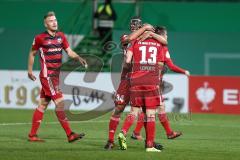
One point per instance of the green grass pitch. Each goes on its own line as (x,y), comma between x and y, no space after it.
(204,137)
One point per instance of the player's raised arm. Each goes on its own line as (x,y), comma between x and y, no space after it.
(137,29)
(159,38)
(160,35)
(134,35)
(75,56)
(150,34)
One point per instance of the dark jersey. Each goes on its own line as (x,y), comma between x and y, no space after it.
(50,50)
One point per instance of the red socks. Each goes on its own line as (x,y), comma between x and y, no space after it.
(113,123)
(38,116)
(63,121)
(165,123)
(149,125)
(36,121)
(140,123)
(128,123)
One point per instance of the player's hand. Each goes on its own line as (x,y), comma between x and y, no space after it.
(145,35)
(83,61)
(187,73)
(148,27)
(31,76)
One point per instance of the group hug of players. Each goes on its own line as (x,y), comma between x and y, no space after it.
(145,56)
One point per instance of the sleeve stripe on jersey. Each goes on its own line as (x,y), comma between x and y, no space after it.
(52,53)
(53,75)
(54,61)
(54,68)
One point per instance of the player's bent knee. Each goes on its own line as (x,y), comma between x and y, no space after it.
(42,107)
(43,103)
(59,103)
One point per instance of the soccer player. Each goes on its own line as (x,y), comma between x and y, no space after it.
(122,93)
(49,46)
(144,86)
(167,61)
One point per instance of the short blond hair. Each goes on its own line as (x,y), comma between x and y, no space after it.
(49,14)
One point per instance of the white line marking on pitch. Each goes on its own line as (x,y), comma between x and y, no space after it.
(29,123)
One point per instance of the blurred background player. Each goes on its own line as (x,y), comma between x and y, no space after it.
(105,16)
(167,62)
(122,97)
(49,45)
(144,86)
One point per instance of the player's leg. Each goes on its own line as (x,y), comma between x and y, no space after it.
(140,123)
(136,102)
(121,100)
(51,89)
(39,112)
(112,126)
(162,116)
(62,118)
(151,101)
(149,125)
(129,120)
(136,99)
(37,119)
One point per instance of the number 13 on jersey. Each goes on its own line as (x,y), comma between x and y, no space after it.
(151,53)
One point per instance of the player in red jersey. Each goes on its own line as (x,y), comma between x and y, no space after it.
(144,92)
(161,109)
(49,45)
(122,93)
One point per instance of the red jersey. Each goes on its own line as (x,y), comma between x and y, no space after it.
(168,61)
(146,57)
(50,50)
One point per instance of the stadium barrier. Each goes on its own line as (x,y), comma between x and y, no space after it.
(214,94)
(17,91)
(198,94)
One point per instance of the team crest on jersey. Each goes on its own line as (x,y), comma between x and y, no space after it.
(59,40)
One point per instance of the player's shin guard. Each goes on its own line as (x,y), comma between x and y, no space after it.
(128,123)
(165,123)
(36,121)
(149,125)
(140,124)
(113,123)
(63,121)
